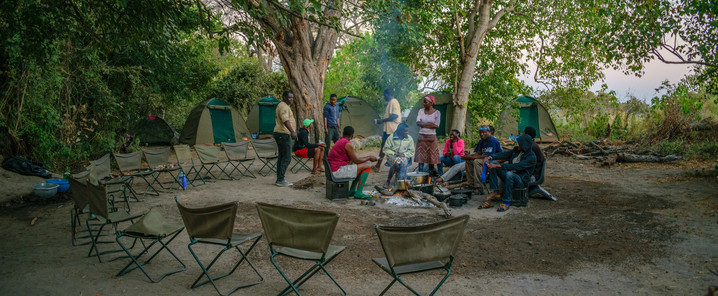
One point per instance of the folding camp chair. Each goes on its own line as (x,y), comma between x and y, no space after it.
(266,150)
(209,157)
(152,226)
(100,207)
(78,193)
(419,248)
(301,162)
(130,164)
(159,162)
(214,225)
(300,234)
(100,173)
(237,157)
(186,163)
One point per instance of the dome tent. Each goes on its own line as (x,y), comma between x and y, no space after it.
(212,122)
(358,114)
(530,113)
(260,119)
(154,131)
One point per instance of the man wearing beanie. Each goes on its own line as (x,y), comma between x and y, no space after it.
(515,171)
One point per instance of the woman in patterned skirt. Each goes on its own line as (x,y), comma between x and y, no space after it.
(427,146)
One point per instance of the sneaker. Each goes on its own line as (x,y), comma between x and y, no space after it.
(283,183)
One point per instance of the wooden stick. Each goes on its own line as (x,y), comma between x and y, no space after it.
(431,199)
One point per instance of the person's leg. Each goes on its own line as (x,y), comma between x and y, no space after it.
(363,170)
(478,167)
(392,170)
(318,154)
(284,156)
(494,176)
(456,160)
(456,169)
(443,160)
(432,170)
(381,151)
(469,168)
(511,181)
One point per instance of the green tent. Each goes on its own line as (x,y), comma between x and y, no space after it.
(212,122)
(358,114)
(260,119)
(530,112)
(445,105)
(154,131)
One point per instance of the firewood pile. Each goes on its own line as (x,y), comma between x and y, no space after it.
(605,155)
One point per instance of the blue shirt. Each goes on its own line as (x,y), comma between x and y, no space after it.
(331,114)
(489,147)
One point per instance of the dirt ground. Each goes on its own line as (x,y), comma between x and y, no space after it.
(629,229)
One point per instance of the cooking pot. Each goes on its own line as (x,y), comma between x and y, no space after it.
(402,185)
(467,192)
(441,194)
(418,177)
(426,188)
(456,200)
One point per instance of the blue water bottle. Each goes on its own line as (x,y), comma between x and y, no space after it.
(183,180)
(483,173)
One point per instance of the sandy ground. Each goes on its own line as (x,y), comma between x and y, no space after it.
(630,229)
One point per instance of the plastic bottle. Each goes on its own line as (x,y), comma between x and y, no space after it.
(66,175)
(183,180)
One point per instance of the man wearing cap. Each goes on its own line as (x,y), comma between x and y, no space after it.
(392,118)
(284,133)
(331,121)
(304,149)
(487,146)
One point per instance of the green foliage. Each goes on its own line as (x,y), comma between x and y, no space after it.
(247,81)
(364,69)
(598,125)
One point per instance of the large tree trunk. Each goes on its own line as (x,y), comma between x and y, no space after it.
(307,83)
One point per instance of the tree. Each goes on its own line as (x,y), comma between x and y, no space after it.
(572,42)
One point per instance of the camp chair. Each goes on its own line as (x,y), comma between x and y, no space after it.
(159,162)
(209,157)
(422,248)
(214,225)
(100,173)
(300,234)
(78,193)
(237,157)
(130,164)
(337,189)
(186,163)
(533,189)
(152,226)
(266,150)
(301,162)
(101,208)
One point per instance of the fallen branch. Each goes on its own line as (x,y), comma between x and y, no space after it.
(413,194)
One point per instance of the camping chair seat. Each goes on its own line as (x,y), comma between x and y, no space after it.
(152,226)
(186,164)
(301,234)
(301,162)
(214,225)
(336,189)
(267,153)
(158,160)
(412,249)
(209,157)
(99,172)
(131,165)
(237,157)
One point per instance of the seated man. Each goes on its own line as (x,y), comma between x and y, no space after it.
(540,158)
(302,147)
(399,149)
(344,163)
(515,171)
(453,151)
(474,165)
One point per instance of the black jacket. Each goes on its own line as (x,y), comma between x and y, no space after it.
(303,140)
(525,167)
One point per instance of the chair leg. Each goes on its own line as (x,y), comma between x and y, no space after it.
(247,172)
(210,279)
(139,265)
(387,287)
(293,286)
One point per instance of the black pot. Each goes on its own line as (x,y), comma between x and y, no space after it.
(456,200)
(425,188)
(467,192)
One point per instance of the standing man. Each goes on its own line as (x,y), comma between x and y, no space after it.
(331,122)
(284,133)
(392,118)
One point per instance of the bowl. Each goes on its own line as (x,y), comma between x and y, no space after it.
(45,190)
(64,184)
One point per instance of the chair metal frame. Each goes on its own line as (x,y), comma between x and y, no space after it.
(169,235)
(101,171)
(298,238)
(219,235)
(131,164)
(184,160)
(301,162)
(237,157)
(159,163)
(209,158)
(437,250)
(265,156)
(81,205)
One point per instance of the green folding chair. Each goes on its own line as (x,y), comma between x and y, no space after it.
(159,162)
(106,214)
(209,157)
(130,164)
(300,163)
(81,206)
(186,163)
(417,249)
(214,225)
(151,227)
(100,173)
(300,234)
(237,158)
(267,153)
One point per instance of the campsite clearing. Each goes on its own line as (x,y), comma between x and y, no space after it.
(629,229)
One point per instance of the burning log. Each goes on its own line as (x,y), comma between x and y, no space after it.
(418,196)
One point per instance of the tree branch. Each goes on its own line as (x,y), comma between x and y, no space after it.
(295,14)
(682,61)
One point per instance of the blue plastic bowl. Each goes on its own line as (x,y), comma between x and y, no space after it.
(63,184)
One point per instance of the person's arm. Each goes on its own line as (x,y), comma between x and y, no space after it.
(304,139)
(291,131)
(357,160)
(325,125)
(411,151)
(391,117)
(389,149)
(459,147)
(527,163)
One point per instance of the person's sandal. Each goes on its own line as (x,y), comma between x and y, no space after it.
(503,208)
(485,205)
